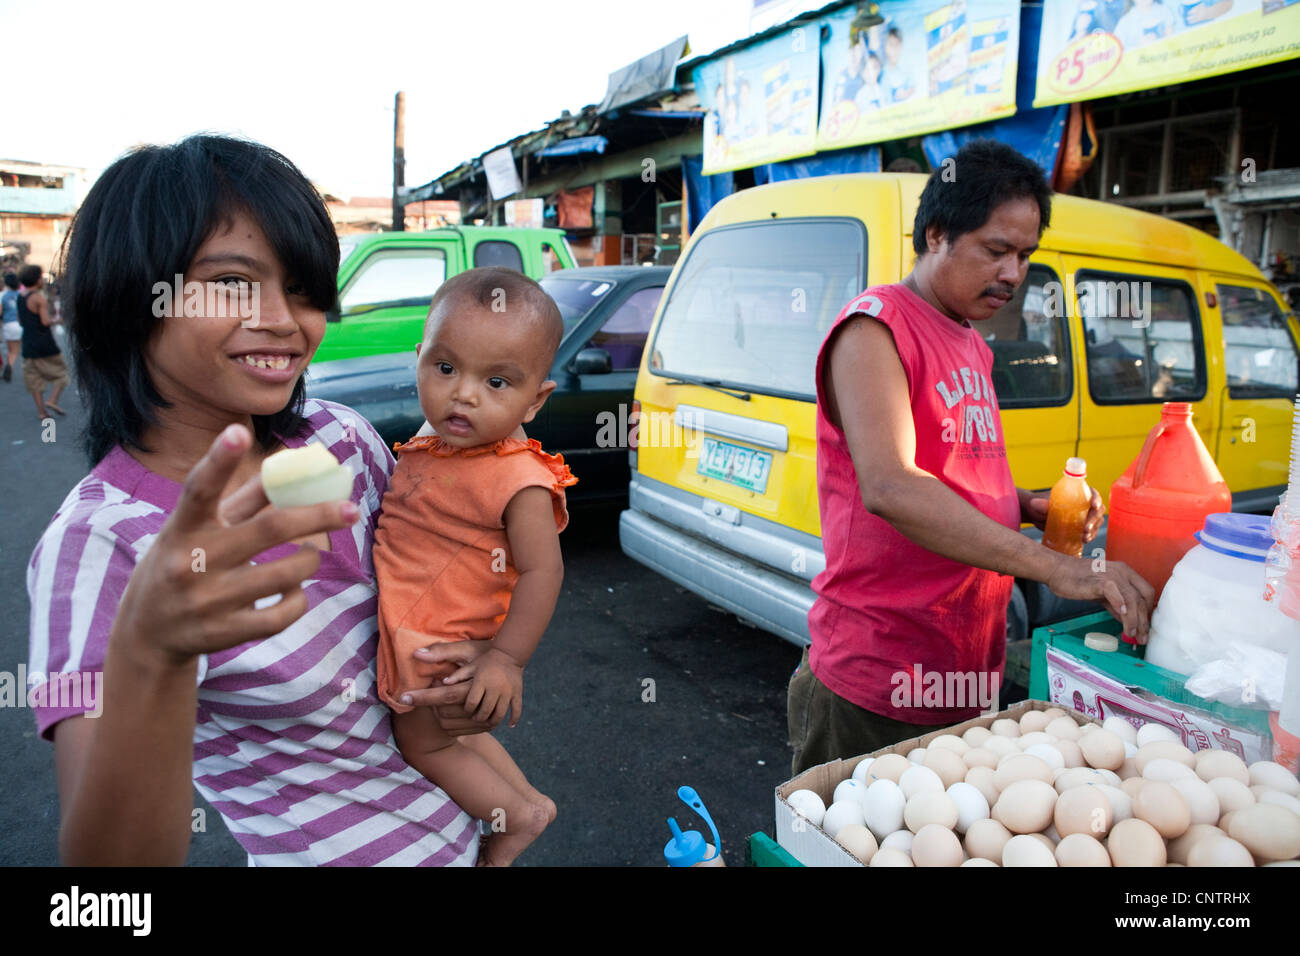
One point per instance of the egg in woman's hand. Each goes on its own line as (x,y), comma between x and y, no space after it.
(296,477)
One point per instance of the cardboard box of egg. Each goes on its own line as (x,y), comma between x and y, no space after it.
(1036,785)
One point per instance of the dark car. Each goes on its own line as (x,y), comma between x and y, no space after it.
(607,312)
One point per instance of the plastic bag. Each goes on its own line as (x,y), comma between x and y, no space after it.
(1247,676)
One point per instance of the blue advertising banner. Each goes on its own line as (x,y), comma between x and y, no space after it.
(905,67)
(761,102)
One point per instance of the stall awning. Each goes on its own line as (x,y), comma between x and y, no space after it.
(575,146)
(648,76)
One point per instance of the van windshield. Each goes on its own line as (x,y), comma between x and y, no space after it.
(753,302)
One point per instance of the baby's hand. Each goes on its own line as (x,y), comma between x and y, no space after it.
(496,684)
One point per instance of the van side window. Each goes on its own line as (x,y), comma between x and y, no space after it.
(1142,337)
(624,333)
(394,278)
(494,252)
(1259,353)
(1031,350)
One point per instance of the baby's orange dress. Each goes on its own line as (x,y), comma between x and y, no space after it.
(441,555)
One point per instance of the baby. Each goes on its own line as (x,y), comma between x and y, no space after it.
(467,546)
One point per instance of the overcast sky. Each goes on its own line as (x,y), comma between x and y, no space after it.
(316,80)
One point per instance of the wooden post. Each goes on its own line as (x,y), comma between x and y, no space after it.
(399,161)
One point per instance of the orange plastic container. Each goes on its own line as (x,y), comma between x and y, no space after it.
(1162,500)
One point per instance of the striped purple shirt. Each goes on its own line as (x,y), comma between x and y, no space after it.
(291,744)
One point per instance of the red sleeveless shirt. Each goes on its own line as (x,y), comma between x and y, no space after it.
(894,621)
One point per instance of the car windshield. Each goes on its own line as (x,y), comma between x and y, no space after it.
(752,304)
(345,249)
(575,296)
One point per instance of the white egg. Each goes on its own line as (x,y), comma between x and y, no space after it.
(916,755)
(860,771)
(809,805)
(898,840)
(849,790)
(917,779)
(971,805)
(1024,850)
(1274,776)
(1151,732)
(1000,746)
(950,742)
(1201,798)
(1121,728)
(841,814)
(891,857)
(1281,799)
(883,808)
(1048,754)
(1164,769)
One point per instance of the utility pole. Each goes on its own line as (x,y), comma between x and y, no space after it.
(399,161)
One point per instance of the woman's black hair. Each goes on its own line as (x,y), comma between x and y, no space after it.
(962,193)
(11,280)
(142,223)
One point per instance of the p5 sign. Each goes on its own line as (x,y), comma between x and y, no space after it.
(1085,63)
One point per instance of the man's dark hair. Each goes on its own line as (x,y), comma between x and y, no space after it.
(142,223)
(491,287)
(30,275)
(11,280)
(961,196)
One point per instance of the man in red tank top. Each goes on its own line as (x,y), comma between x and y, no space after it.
(920,516)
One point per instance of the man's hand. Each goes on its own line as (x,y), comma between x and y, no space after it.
(1033,510)
(1125,593)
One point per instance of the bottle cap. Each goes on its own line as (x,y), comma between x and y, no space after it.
(1076,468)
(1099,641)
(689,848)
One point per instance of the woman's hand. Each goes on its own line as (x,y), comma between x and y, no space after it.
(193,591)
(448,700)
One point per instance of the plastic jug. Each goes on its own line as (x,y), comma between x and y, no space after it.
(1214,598)
(1163,499)
(690,848)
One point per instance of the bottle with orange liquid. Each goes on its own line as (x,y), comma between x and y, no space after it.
(1067,513)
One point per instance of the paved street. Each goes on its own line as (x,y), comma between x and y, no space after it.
(611,761)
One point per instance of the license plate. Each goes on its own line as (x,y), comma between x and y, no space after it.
(739,466)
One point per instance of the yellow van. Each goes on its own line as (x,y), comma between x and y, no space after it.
(1121,311)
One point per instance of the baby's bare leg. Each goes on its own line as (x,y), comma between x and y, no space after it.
(475,785)
(491,750)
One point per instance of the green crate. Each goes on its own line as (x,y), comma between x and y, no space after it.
(1126,666)
(764,851)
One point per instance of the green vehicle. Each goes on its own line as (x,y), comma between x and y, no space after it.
(386,279)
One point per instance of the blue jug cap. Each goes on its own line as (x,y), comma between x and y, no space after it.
(1238,535)
(689,848)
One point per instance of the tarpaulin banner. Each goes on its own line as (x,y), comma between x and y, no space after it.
(901,68)
(761,102)
(1094,48)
